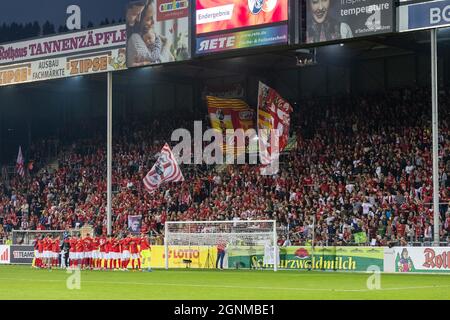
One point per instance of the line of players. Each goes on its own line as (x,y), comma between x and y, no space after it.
(94,253)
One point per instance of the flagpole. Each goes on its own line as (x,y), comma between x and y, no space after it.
(109,153)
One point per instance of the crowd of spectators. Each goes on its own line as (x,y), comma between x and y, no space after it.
(362,164)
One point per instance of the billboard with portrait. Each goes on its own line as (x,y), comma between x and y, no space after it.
(134,224)
(330,20)
(222,15)
(158,31)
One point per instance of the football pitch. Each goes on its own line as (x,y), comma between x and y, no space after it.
(23,282)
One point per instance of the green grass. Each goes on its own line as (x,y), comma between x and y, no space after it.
(22,282)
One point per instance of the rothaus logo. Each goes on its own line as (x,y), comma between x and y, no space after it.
(256,6)
(173,6)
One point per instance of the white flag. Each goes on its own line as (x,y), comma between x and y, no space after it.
(166,169)
(20,163)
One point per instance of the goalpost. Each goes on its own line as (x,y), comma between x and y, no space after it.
(237,233)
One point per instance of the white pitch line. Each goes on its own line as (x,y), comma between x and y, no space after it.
(235,287)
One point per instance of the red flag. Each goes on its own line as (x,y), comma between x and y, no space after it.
(166,169)
(19,164)
(273,113)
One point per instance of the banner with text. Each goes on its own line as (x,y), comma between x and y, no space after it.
(221,15)
(62,67)
(245,39)
(345,19)
(305,258)
(179,257)
(22,254)
(422,259)
(63,45)
(425,15)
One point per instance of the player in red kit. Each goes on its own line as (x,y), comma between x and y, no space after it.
(125,248)
(87,242)
(103,244)
(115,253)
(55,251)
(47,251)
(40,252)
(134,249)
(73,252)
(109,253)
(79,250)
(95,253)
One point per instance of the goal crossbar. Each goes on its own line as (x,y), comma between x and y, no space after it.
(232,232)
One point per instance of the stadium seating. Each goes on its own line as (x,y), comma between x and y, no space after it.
(362,164)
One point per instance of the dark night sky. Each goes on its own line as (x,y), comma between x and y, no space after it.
(23,11)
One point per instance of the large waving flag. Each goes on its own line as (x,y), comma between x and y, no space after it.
(273,113)
(230,114)
(166,169)
(20,163)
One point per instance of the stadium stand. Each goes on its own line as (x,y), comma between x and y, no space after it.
(362,164)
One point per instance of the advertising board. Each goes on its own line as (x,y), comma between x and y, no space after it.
(242,39)
(22,254)
(329,20)
(425,15)
(199,257)
(157,32)
(63,67)
(222,15)
(63,44)
(422,259)
(5,255)
(305,258)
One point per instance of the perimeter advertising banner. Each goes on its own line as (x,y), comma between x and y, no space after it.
(22,254)
(304,258)
(221,15)
(158,32)
(65,44)
(4,254)
(243,39)
(422,259)
(56,68)
(328,20)
(200,256)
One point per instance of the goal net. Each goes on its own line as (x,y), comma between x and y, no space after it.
(248,236)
